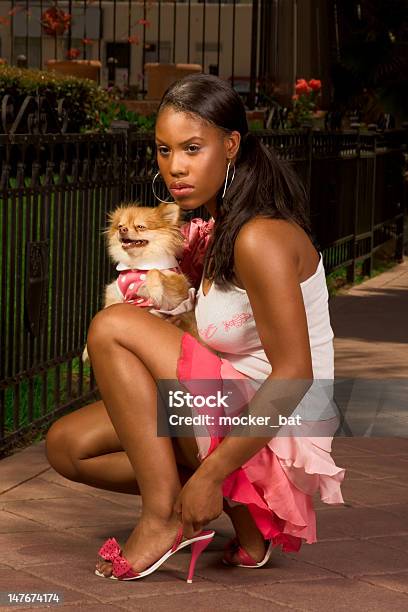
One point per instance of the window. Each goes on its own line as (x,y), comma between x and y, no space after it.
(120,51)
(34,50)
(151,52)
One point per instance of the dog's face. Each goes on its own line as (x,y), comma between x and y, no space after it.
(137,233)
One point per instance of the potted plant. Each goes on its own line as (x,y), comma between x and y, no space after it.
(305,110)
(56,22)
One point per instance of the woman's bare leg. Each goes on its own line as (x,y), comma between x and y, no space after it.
(130,350)
(249,536)
(83,446)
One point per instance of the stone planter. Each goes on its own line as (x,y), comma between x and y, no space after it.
(256,118)
(141,107)
(318,120)
(161,76)
(83,69)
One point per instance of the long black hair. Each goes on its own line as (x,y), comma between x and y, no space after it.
(263,185)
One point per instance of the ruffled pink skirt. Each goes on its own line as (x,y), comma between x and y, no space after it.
(278,482)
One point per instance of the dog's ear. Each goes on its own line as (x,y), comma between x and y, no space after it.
(170,213)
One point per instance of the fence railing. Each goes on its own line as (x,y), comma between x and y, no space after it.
(55,193)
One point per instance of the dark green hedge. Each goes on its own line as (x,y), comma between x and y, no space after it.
(84,100)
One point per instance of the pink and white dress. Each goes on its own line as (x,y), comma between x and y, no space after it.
(279,481)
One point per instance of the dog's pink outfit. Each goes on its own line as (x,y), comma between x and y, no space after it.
(196,236)
(128,283)
(130,279)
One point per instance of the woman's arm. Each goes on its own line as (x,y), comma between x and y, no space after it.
(266,261)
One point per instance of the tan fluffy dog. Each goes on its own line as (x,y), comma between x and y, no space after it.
(144,243)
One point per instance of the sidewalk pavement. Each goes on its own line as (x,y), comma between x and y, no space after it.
(51,528)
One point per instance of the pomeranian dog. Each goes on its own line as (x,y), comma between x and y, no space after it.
(144,243)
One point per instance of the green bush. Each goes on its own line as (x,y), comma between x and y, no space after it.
(117,111)
(84,100)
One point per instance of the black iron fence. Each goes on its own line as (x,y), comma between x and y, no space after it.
(55,192)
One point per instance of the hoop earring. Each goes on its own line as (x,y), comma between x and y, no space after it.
(156,196)
(226,179)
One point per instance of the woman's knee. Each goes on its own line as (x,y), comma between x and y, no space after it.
(60,449)
(109,325)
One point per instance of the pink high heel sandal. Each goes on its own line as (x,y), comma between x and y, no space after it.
(233,546)
(122,570)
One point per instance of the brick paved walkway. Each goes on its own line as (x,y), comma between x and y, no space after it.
(51,528)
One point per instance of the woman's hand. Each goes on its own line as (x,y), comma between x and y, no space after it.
(199,502)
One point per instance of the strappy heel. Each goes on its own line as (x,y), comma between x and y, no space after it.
(122,570)
(246,560)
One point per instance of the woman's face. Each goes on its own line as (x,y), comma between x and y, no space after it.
(193,158)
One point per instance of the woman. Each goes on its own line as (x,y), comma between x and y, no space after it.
(269,322)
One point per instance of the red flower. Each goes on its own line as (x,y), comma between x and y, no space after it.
(4,21)
(87,41)
(133,40)
(55,21)
(315,84)
(304,102)
(144,22)
(302,87)
(15,10)
(73,53)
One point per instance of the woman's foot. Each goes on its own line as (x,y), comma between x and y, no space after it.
(248,534)
(149,540)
